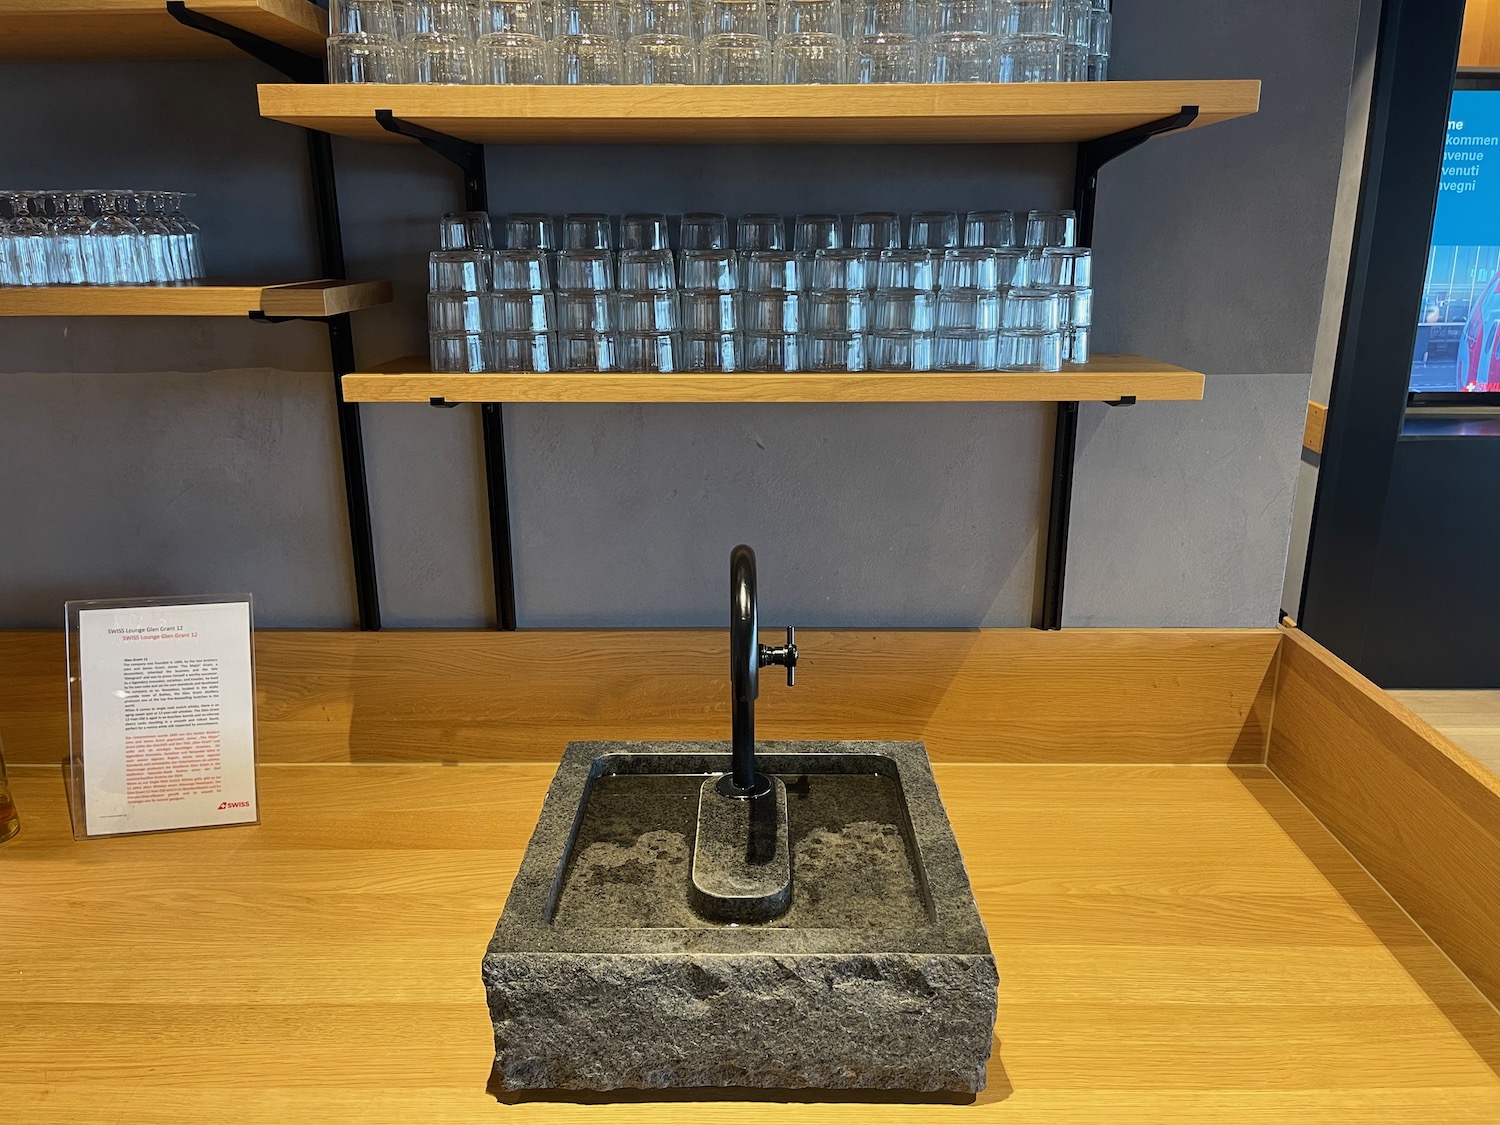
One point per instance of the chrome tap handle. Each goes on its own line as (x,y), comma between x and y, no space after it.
(785,655)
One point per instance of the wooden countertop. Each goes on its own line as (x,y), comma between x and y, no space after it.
(1177,944)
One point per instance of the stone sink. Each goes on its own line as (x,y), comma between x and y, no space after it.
(602,976)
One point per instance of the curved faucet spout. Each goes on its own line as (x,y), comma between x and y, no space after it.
(746,658)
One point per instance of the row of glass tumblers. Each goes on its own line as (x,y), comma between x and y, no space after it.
(718,42)
(964,309)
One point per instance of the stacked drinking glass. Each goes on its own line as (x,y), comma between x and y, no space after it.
(97,238)
(718,42)
(960,296)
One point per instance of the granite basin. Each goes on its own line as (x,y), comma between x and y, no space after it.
(601,975)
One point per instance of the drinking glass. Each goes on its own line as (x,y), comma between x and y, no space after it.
(187,238)
(1100,25)
(364,59)
(362,17)
(771,310)
(809,42)
(1030,351)
(959,58)
(736,47)
(905,269)
(647,271)
(661,48)
(10,820)
(1065,265)
(28,235)
(871,232)
(703,230)
(512,45)
(644,232)
(450,313)
(886,44)
(817,231)
(156,234)
(439,43)
(1075,20)
(1013,267)
(115,245)
(458,271)
(760,232)
(587,50)
(587,231)
(1035,17)
(993,229)
(465,230)
(528,231)
(459,352)
(968,312)
(932,230)
(518,312)
(834,311)
(1075,346)
(903,312)
(710,311)
(1051,228)
(1072,63)
(648,311)
(1033,310)
(1032,58)
(585,270)
(70,231)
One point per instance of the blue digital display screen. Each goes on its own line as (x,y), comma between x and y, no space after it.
(1458,327)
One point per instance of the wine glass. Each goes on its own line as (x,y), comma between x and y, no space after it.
(70,232)
(186,238)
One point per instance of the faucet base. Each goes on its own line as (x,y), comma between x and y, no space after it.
(760,787)
(742,856)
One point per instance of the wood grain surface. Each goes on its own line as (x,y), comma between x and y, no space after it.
(955,113)
(1081,695)
(209,298)
(1105,379)
(1313,428)
(1469,718)
(1416,810)
(1177,946)
(141,29)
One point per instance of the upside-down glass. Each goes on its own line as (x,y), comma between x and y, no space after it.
(585,311)
(158,261)
(1034,18)
(871,232)
(187,238)
(771,310)
(661,48)
(886,45)
(458,352)
(512,45)
(464,230)
(527,231)
(114,246)
(760,232)
(1064,265)
(1100,24)
(644,232)
(587,50)
(710,311)
(995,230)
(809,42)
(736,46)
(932,230)
(587,231)
(518,312)
(968,313)
(365,60)
(27,235)
(69,239)
(440,50)
(903,312)
(703,230)
(818,231)
(458,271)
(362,17)
(1051,228)
(647,311)
(834,310)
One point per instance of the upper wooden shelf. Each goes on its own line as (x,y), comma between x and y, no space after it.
(142,29)
(937,114)
(1107,378)
(302,298)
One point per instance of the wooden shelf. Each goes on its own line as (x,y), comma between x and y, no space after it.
(302,298)
(142,29)
(936,114)
(1106,378)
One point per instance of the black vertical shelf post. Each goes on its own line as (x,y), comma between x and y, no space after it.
(301,68)
(469,158)
(1092,156)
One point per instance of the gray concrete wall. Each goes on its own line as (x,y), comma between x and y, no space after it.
(145,457)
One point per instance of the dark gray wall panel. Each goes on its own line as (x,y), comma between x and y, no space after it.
(1182,510)
(860,515)
(1213,245)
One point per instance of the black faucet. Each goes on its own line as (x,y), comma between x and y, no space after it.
(747,656)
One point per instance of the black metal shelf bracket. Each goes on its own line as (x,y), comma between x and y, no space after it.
(302,68)
(469,158)
(295,65)
(1124,400)
(1092,156)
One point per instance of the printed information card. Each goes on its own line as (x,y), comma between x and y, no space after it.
(165,698)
